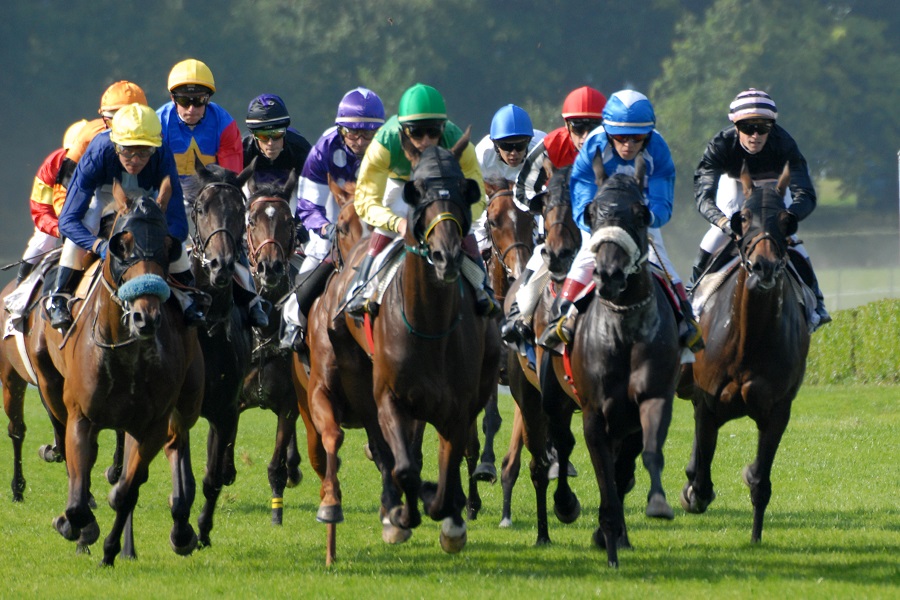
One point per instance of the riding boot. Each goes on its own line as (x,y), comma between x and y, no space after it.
(560,328)
(513,329)
(700,265)
(58,309)
(193,313)
(294,336)
(485,302)
(257,308)
(804,268)
(691,334)
(25,269)
(358,303)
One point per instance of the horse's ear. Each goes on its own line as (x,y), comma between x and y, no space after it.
(737,223)
(247,174)
(784,180)
(411,193)
(412,153)
(548,167)
(746,180)
(123,202)
(340,196)
(460,146)
(599,170)
(471,191)
(291,184)
(642,214)
(165,193)
(536,204)
(199,167)
(640,169)
(787,223)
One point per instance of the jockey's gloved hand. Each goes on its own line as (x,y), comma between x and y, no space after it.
(301,233)
(100,247)
(725,225)
(327,231)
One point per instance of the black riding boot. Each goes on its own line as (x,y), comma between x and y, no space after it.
(25,269)
(700,264)
(804,267)
(257,308)
(58,311)
(558,330)
(359,304)
(514,330)
(193,314)
(310,288)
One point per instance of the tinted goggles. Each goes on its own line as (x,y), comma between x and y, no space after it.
(512,146)
(135,151)
(269,134)
(749,128)
(583,126)
(634,138)
(418,132)
(185,101)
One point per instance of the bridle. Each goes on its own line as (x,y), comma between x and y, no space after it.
(199,244)
(253,250)
(495,250)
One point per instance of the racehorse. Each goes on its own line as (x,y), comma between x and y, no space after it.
(218,216)
(624,359)
(128,362)
(510,232)
(432,359)
(756,348)
(544,410)
(270,242)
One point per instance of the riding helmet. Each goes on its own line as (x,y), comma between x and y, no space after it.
(360,109)
(511,121)
(267,111)
(628,112)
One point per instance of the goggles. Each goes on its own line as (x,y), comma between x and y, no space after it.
(520,146)
(357,134)
(583,126)
(634,138)
(751,127)
(186,101)
(269,134)
(135,151)
(417,132)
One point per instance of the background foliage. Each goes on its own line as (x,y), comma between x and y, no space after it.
(831,67)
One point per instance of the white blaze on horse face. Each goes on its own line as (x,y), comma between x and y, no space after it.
(270,211)
(513,214)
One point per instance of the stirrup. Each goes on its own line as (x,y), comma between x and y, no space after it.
(58,312)
(557,332)
(692,338)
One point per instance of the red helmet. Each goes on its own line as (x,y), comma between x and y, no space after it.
(584,103)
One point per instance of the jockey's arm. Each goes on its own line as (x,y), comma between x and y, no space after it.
(470,168)
(231,150)
(370,187)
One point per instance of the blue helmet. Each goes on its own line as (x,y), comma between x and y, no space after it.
(628,112)
(511,121)
(360,108)
(267,112)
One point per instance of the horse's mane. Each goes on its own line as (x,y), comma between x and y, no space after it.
(214,173)
(271,190)
(615,198)
(558,187)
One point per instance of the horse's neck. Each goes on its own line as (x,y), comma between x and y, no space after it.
(757,313)
(424,298)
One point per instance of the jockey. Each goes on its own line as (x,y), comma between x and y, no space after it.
(277,147)
(193,127)
(132,152)
(119,94)
(501,155)
(757,140)
(46,220)
(628,129)
(582,112)
(422,120)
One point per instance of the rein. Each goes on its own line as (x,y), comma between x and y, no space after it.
(747,252)
(199,244)
(253,250)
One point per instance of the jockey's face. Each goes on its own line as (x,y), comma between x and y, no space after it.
(628,146)
(190,107)
(579,130)
(753,134)
(134,158)
(424,135)
(270,142)
(357,140)
(512,150)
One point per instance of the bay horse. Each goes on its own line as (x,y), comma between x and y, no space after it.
(128,362)
(218,217)
(756,348)
(544,408)
(271,240)
(432,360)
(624,359)
(510,232)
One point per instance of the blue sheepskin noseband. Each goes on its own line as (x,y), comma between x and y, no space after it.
(143,285)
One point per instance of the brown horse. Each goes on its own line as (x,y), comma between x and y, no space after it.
(270,242)
(756,347)
(544,410)
(624,357)
(218,216)
(128,362)
(433,360)
(510,232)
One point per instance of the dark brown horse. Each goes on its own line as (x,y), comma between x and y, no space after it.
(625,357)
(433,360)
(510,231)
(270,243)
(544,408)
(756,347)
(218,216)
(128,362)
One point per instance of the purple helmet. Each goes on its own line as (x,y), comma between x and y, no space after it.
(360,109)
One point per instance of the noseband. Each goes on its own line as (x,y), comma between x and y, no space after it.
(624,239)
(746,252)
(495,250)
(253,251)
(200,244)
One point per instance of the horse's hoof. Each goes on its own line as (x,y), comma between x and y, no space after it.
(570,471)
(330,514)
(112,474)
(49,454)
(82,549)
(294,479)
(747,476)
(505,523)
(567,516)
(184,549)
(392,534)
(89,534)
(368,452)
(553,471)
(65,529)
(658,508)
(485,472)
(691,503)
(453,537)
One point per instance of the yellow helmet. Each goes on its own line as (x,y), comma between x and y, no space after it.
(136,125)
(118,95)
(192,73)
(72,133)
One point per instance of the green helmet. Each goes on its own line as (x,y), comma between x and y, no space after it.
(422,102)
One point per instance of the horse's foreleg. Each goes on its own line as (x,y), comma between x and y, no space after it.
(611,516)
(332,436)
(219,454)
(78,513)
(114,471)
(559,408)
(183,539)
(656,416)
(278,467)
(473,501)
(758,475)
(14,404)
(490,425)
(698,492)
(293,460)
(446,501)
(398,432)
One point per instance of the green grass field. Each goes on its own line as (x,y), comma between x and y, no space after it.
(832,529)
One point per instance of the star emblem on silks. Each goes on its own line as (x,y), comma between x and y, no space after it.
(185,161)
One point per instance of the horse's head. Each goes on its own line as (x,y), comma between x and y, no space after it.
(562,238)
(348,227)
(619,220)
(762,227)
(138,257)
(440,198)
(271,234)
(510,229)
(218,217)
